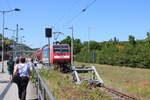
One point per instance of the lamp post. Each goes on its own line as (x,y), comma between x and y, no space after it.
(72,46)
(89,30)
(21,45)
(13,39)
(17,30)
(3,13)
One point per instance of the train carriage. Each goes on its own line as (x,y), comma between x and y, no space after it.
(59,54)
(38,54)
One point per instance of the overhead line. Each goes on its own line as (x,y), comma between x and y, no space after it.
(68,12)
(73,18)
(64,15)
(83,10)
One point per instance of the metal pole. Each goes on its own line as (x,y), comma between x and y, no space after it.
(17,33)
(49,51)
(14,51)
(89,44)
(3,44)
(21,46)
(93,58)
(72,48)
(89,39)
(16,40)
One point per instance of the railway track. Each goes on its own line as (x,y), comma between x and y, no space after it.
(117,94)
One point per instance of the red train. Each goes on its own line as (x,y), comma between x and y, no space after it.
(59,54)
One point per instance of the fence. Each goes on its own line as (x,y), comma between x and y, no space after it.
(43,91)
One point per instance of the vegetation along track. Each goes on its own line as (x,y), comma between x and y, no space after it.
(116,94)
(111,92)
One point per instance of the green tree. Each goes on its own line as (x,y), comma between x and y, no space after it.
(132,40)
(67,40)
(94,45)
(77,45)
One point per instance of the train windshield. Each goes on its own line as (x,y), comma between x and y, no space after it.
(57,49)
(65,48)
(61,49)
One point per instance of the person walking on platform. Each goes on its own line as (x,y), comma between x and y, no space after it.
(17,60)
(23,69)
(10,67)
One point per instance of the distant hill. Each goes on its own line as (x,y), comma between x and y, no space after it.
(8,43)
(11,48)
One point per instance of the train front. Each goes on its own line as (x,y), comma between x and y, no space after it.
(61,54)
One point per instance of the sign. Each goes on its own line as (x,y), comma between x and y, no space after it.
(94,55)
(7,42)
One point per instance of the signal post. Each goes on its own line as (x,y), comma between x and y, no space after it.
(48,34)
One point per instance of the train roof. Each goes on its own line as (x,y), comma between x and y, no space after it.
(53,45)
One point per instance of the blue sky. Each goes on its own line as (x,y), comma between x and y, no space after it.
(105,19)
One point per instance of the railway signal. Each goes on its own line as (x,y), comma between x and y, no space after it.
(48,34)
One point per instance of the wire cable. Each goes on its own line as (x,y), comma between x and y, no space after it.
(75,3)
(74,17)
(67,12)
(83,10)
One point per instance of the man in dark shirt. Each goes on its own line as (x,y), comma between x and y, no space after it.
(10,66)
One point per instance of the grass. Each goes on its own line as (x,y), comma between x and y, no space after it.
(63,89)
(134,81)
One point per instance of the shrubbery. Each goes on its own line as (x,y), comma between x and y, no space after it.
(133,53)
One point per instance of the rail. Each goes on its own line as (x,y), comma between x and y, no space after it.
(118,93)
(43,92)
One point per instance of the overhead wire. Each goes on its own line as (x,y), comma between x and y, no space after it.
(63,16)
(67,12)
(78,14)
(83,10)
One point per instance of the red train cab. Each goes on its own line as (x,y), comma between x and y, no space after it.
(59,54)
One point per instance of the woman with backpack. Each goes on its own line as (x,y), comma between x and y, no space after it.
(22,71)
